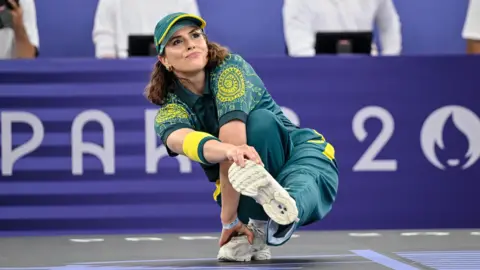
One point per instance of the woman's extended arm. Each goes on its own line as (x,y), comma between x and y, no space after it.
(205,148)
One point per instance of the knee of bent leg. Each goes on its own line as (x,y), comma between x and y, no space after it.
(260,123)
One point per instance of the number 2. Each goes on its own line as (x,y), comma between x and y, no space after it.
(367,161)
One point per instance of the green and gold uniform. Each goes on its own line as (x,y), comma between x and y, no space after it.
(300,159)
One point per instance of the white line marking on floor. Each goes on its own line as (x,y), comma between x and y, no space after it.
(87,240)
(475,233)
(206,237)
(371,234)
(383,260)
(425,234)
(138,239)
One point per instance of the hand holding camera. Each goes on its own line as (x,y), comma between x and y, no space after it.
(11,14)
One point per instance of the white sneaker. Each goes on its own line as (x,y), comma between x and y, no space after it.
(254,181)
(236,250)
(239,250)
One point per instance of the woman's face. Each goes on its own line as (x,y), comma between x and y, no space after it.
(186,51)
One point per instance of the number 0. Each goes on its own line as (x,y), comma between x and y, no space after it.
(367,161)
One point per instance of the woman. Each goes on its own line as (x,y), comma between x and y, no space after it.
(216,111)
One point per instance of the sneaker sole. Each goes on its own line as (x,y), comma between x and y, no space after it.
(261,257)
(228,259)
(255,182)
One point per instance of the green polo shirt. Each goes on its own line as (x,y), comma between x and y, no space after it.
(205,111)
(203,106)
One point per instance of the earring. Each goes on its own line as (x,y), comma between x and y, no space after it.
(169,68)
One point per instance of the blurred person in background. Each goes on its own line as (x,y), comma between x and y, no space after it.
(471,29)
(18,29)
(304,19)
(116,20)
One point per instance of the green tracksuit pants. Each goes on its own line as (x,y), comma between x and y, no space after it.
(305,168)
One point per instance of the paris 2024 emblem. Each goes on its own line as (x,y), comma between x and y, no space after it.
(462,128)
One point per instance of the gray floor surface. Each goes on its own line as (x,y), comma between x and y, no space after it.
(372,250)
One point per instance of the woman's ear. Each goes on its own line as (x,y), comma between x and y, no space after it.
(164,61)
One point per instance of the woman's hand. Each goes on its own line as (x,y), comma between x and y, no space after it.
(238,154)
(239,229)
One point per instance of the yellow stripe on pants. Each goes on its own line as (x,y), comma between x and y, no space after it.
(217,190)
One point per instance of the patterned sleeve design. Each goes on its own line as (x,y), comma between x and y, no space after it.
(237,89)
(171,117)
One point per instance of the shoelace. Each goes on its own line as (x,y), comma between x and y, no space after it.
(254,228)
(256,231)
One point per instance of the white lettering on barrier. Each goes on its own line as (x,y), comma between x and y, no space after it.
(10,155)
(154,153)
(431,135)
(106,154)
(367,161)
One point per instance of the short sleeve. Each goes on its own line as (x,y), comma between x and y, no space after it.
(237,88)
(169,118)
(30,21)
(104,26)
(471,27)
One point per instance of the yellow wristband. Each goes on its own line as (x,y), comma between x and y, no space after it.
(193,145)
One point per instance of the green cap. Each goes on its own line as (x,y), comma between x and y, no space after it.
(170,24)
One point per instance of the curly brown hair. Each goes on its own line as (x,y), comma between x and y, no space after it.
(163,81)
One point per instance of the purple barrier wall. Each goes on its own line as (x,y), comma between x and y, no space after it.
(79,152)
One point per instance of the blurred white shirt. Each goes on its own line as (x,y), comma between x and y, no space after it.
(471,28)
(7,36)
(304,18)
(115,20)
